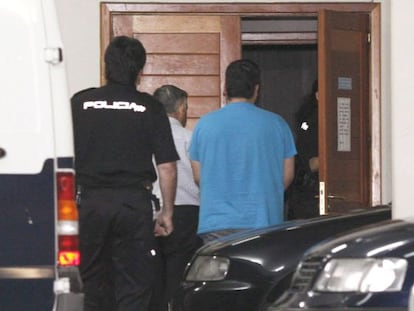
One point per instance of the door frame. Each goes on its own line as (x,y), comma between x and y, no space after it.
(109,9)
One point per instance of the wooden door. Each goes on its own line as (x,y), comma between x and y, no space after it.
(343,111)
(189,51)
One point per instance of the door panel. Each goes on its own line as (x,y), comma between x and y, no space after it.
(176,23)
(189,51)
(181,42)
(344,97)
(196,85)
(182,64)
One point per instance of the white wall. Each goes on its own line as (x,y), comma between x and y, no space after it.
(402,105)
(79,21)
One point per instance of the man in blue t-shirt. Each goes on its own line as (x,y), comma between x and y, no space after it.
(243,159)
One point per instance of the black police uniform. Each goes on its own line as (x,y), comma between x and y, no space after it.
(303,197)
(117,130)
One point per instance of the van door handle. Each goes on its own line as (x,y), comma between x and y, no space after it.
(2,153)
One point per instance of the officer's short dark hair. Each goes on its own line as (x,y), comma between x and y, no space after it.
(170,96)
(124,59)
(241,78)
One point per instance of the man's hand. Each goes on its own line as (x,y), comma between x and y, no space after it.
(163,224)
(167,173)
(314,164)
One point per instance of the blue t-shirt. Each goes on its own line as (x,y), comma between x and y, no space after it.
(241,150)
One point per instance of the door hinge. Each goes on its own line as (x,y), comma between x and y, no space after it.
(369,37)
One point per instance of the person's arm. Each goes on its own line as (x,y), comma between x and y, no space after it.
(288,171)
(167,174)
(195,165)
(314,164)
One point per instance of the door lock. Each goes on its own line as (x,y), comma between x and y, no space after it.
(2,153)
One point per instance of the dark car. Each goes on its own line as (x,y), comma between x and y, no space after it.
(368,269)
(248,270)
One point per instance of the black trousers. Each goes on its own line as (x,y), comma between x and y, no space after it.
(116,241)
(175,251)
(303,203)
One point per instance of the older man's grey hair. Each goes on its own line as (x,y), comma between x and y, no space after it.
(170,97)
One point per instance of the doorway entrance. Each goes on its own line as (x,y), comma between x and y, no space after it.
(191,44)
(285,48)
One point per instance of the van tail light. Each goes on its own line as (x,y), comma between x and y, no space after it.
(67,220)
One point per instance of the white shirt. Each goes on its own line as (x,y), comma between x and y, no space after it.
(187,190)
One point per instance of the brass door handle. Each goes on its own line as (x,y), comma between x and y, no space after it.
(335,197)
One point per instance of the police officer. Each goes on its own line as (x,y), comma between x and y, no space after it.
(303,194)
(117,131)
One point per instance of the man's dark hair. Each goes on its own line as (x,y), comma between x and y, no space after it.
(170,96)
(124,59)
(308,106)
(241,78)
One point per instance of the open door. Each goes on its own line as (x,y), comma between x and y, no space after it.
(344,143)
(189,51)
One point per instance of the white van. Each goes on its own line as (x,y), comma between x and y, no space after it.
(39,253)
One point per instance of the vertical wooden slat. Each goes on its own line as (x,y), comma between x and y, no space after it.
(122,25)
(375,97)
(106,35)
(230,32)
